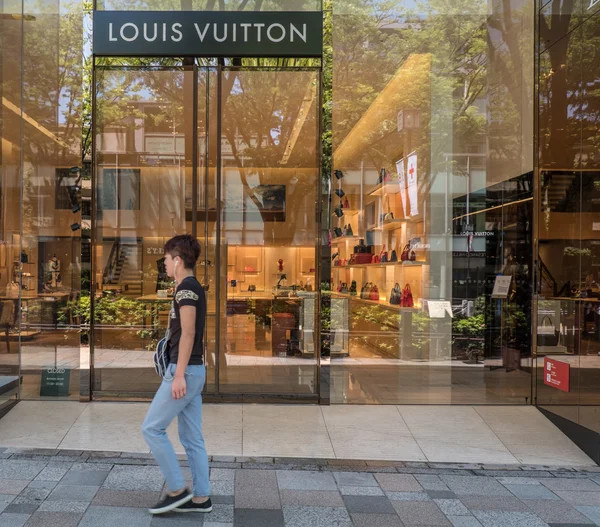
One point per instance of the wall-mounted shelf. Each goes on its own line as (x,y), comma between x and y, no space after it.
(347,212)
(387,187)
(345,239)
(382,303)
(386,264)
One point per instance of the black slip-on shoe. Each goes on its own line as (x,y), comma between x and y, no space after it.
(168,503)
(190,506)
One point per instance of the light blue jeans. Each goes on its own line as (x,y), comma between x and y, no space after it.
(188,411)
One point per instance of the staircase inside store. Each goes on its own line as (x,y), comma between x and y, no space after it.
(123,270)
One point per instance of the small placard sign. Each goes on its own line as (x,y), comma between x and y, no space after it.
(501,286)
(557,374)
(439,308)
(55,382)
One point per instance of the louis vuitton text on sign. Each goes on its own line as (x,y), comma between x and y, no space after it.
(208,34)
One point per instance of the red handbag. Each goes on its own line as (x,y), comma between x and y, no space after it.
(346,204)
(407,298)
(339,288)
(375,259)
(363,258)
(405,253)
(374,294)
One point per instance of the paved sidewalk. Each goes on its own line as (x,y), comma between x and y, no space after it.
(66,488)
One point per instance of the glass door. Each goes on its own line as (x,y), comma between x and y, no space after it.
(269,170)
(150,164)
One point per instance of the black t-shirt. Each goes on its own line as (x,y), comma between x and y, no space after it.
(188,293)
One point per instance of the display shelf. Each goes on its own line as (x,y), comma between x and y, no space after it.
(345,239)
(385,264)
(387,187)
(394,224)
(347,212)
(382,303)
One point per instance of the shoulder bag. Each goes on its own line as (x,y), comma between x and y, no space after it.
(374,293)
(395,295)
(161,356)
(407,298)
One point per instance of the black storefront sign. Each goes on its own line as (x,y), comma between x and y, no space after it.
(55,382)
(208,34)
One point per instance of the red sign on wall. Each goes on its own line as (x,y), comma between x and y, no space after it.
(557,374)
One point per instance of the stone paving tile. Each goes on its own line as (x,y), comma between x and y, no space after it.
(556,511)
(431,482)
(85,477)
(593,513)
(368,504)
(420,513)
(475,486)
(227,500)
(13,486)
(134,478)
(17,469)
(356,479)
(520,481)
(441,494)
(222,474)
(313,498)
(113,516)
(588,499)
(64,506)
(532,492)
(316,517)
(256,489)
(40,484)
(73,493)
(21,508)
(298,480)
(13,520)
(452,507)
(5,501)
(126,498)
(222,488)
(361,491)
(214,524)
(407,496)
(376,520)
(32,495)
(508,519)
(175,520)
(258,518)
(492,503)
(571,484)
(53,473)
(398,482)
(464,521)
(221,514)
(54,519)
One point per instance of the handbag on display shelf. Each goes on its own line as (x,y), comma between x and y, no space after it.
(338,232)
(345,262)
(393,256)
(363,258)
(353,288)
(349,231)
(340,193)
(346,204)
(405,255)
(352,260)
(407,298)
(374,294)
(383,255)
(344,289)
(413,256)
(339,287)
(395,295)
(338,174)
(381,176)
(334,256)
(361,247)
(387,215)
(375,259)
(338,211)
(387,176)
(547,334)
(365,292)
